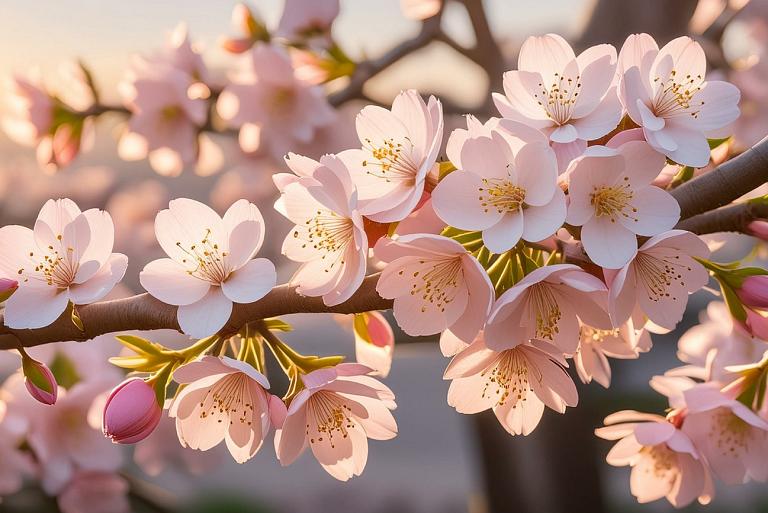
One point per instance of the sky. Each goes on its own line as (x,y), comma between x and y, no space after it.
(105,33)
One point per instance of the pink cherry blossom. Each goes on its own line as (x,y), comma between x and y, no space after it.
(664,461)
(732,438)
(95,492)
(131,412)
(273,108)
(211,263)
(570,98)
(329,238)
(547,305)
(596,346)
(374,342)
(399,148)
(223,400)
(717,343)
(436,285)
(420,9)
(665,92)
(67,257)
(516,383)
(657,281)
(335,414)
(611,198)
(507,193)
(39,380)
(307,19)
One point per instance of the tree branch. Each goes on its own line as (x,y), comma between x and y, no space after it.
(733,218)
(726,183)
(143,312)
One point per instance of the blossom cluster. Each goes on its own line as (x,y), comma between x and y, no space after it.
(547,238)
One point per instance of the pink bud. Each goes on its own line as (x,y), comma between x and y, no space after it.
(759,228)
(754,291)
(39,380)
(131,412)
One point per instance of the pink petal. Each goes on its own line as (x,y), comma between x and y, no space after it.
(251,282)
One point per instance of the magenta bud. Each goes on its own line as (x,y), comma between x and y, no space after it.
(131,412)
(39,381)
(754,291)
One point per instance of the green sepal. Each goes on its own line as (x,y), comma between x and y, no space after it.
(140,345)
(33,371)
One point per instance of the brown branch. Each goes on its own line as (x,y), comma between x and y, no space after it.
(143,312)
(733,218)
(726,183)
(367,69)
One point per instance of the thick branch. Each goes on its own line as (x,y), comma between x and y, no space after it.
(143,312)
(728,182)
(733,218)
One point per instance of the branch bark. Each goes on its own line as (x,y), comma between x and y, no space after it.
(733,218)
(143,312)
(728,182)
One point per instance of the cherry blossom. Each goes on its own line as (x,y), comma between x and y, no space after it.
(507,193)
(596,346)
(718,342)
(665,92)
(95,492)
(272,107)
(329,238)
(399,148)
(167,98)
(66,258)
(223,400)
(374,342)
(611,198)
(570,98)
(664,461)
(547,305)
(420,9)
(211,263)
(436,285)
(335,414)
(17,464)
(657,281)
(731,437)
(516,383)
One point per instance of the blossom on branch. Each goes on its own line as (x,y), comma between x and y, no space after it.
(66,258)
(611,198)
(329,238)
(516,383)
(211,263)
(665,92)
(436,285)
(596,346)
(335,415)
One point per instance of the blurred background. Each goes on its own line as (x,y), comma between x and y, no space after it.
(441,461)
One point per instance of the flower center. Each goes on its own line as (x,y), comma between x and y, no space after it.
(558,99)
(329,233)
(55,267)
(437,282)
(664,461)
(660,273)
(508,378)
(675,96)
(228,398)
(731,433)
(391,160)
(208,260)
(502,195)
(612,200)
(331,418)
(545,310)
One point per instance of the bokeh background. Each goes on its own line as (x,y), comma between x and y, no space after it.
(441,461)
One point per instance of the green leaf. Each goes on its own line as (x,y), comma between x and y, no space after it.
(275,324)
(140,345)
